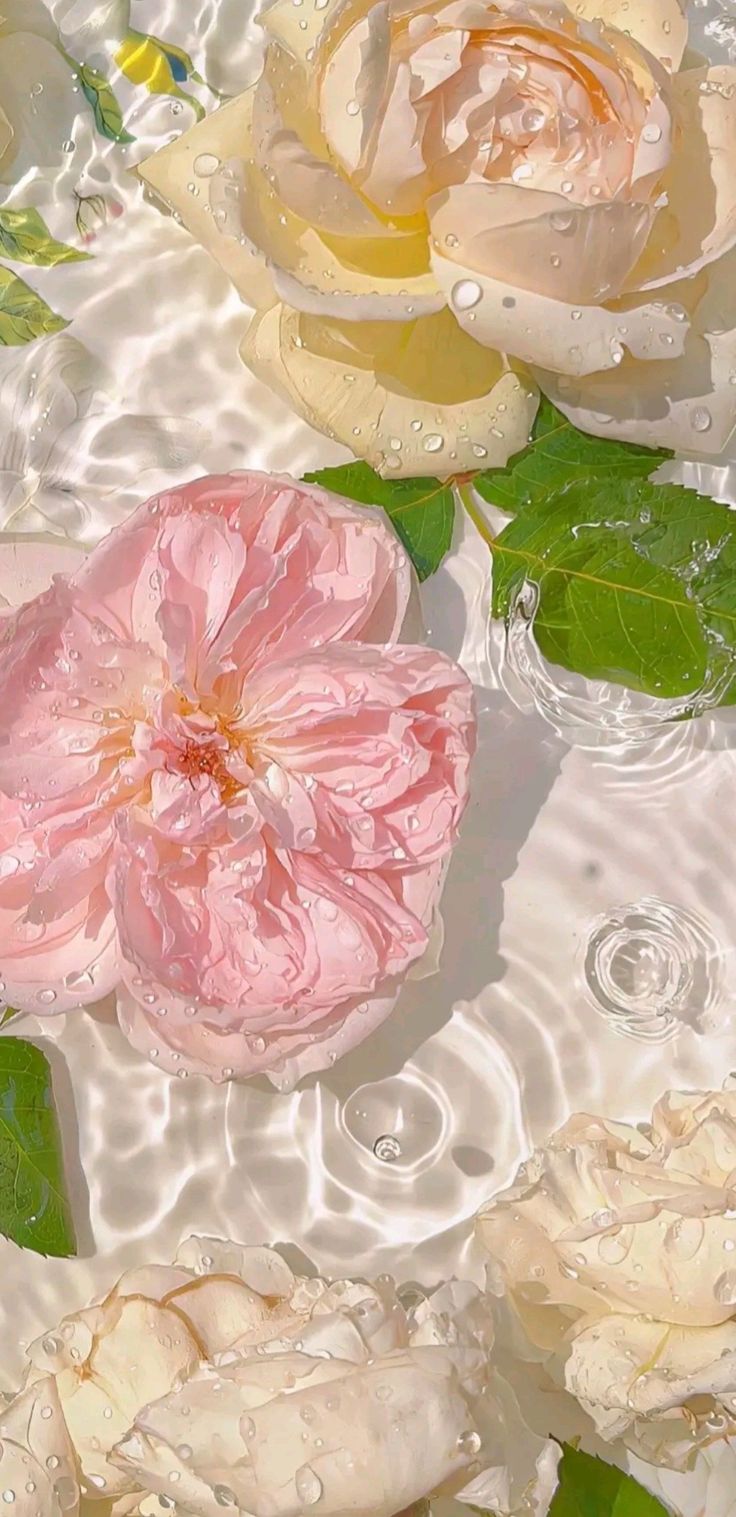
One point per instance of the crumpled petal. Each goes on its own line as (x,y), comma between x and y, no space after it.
(109,1361)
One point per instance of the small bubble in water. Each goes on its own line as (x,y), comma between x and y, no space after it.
(387,1148)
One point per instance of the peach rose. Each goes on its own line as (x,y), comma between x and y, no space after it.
(433,206)
(226,791)
(616,1249)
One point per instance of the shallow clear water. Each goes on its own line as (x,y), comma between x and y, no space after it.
(589,958)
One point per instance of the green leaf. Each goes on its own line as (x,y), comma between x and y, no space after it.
(25,237)
(7,1015)
(34,1210)
(107,113)
(558,455)
(23,314)
(636,584)
(422,511)
(590,1488)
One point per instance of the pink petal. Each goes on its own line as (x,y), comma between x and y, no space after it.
(362,753)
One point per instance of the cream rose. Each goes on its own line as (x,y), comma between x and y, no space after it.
(616,1249)
(433,206)
(225,1380)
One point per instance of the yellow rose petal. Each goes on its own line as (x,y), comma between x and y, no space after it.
(423,398)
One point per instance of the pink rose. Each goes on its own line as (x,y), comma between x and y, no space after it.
(224,790)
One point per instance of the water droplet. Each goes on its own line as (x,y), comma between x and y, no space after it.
(433,442)
(614,1247)
(469,1442)
(652,132)
(532,120)
(206,164)
(465,294)
(352,108)
(66,1491)
(387,1148)
(684,1237)
(701,419)
(522,172)
(724,1289)
(308,1485)
(224,1496)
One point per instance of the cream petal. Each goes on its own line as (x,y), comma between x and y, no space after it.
(387,274)
(357,70)
(300,29)
(450,404)
(661,405)
(290,149)
(654,1384)
(539,241)
(38,1463)
(262,1269)
(568,339)
(128,1351)
(659,25)
(223,136)
(220,1308)
(390,1433)
(698,223)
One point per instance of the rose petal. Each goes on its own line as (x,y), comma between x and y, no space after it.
(570,339)
(698,222)
(659,404)
(451,404)
(39,1463)
(537,241)
(659,25)
(381,1451)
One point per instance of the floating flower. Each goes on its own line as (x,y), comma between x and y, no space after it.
(224,1380)
(616,1247)
(432,209)
(225,790)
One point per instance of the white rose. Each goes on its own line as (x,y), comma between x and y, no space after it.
(226,1380)
(431,207)
(38,1473)
(147,1336)
(616,1248)
(354,1407)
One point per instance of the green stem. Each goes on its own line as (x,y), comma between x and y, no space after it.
(470,506)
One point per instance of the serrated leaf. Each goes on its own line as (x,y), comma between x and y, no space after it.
(34,1209)
(559,455)
(25,237)
(107,113)
(24,315)
(422,511)
(591,1488)
(636,584)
